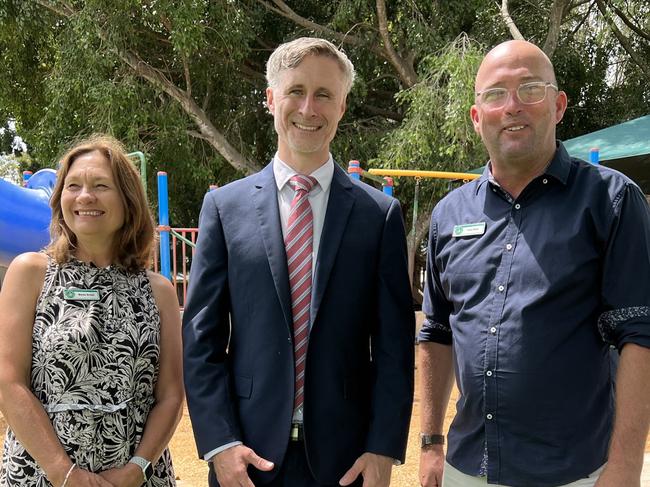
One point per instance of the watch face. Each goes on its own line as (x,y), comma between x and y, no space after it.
(429,440)
(148,471)
(145,465)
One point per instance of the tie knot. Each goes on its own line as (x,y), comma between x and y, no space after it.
(300,182)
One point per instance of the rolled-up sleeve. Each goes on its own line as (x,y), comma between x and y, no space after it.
(626,272)
(436,307)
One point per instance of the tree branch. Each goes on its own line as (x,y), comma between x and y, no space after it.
(624,41)
(558,11)
(407,75)
(197,135)
(382,112)
(633,27)
(159,81)
(188,79)
(251,72)
(200,118)
(63,11)
(573,4)
(285,11)
(580,23)
(405,70)
(510,24)
(206,98)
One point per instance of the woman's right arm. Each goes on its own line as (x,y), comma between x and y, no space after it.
(21,409)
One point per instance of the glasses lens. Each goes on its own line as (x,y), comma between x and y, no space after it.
(531,92)
(494,97)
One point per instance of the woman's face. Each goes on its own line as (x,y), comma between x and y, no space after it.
(91,202)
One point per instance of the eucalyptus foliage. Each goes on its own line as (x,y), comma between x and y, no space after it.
(183,80)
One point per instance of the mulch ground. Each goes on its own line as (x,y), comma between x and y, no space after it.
(192,472)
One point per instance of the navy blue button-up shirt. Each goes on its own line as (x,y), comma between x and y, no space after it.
(531,297)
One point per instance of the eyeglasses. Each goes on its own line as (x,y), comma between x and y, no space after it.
(527,93)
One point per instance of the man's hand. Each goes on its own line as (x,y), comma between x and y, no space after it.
(432,462)
(230,466)
(130,475)
(616,477)
(376,470)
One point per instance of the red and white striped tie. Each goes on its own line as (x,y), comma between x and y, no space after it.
(298,243)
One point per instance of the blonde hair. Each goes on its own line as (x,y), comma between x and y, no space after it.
(290,54)
(133,245)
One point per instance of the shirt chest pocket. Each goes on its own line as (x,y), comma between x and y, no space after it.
(468,255)
(470,265)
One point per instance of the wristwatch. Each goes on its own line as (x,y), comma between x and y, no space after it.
(428,440)
(145,465)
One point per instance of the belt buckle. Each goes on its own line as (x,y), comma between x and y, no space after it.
(296,432)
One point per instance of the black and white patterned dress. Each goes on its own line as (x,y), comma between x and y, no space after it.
(94,368)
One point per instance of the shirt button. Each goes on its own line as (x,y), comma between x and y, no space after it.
(509,247)
(517,206)
(489,373)
(489,416)
(501,288)
(545,181)
(493,330)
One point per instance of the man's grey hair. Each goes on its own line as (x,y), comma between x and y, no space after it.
(290,54)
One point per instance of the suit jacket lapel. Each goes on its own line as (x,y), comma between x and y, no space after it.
(339,206)
(265,199)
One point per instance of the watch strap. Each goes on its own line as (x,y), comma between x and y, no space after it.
(145,465)
(429,440)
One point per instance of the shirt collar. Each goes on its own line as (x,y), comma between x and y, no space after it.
(558,168)
(283,172)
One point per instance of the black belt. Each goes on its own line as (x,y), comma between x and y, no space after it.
(297,432)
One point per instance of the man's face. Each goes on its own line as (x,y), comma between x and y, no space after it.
(307,105)
(517,134)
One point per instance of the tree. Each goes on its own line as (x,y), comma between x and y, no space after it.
(183,81)
(9,168)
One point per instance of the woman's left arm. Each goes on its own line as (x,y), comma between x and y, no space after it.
(166,412)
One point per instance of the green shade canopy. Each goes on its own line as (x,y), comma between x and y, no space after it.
(620,141)
(624,147)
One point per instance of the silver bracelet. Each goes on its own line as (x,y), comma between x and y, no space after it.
(67,475)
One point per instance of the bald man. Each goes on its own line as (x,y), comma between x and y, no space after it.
(534,270)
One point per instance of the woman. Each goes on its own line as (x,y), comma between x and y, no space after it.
(90,354)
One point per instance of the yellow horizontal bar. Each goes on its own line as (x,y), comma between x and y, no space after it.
(466,176)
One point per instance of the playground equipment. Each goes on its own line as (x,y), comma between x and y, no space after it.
(25,215)
(419,175)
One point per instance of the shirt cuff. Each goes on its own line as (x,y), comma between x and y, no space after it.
(433,331)
(208,457)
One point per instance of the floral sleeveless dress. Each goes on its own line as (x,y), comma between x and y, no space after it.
(94,368)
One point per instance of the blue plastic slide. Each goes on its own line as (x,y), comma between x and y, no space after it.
(25,215)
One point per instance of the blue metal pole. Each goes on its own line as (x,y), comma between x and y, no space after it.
(354,170)
(594,155)
(26,176)
(163,224)
(388,186)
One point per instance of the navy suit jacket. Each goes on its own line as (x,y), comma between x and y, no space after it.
(237,329)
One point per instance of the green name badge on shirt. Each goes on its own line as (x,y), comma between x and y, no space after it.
(81,294)
(469,229)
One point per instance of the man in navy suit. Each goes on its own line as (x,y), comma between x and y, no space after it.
(298,328)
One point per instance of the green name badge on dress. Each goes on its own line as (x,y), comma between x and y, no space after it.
(81,294)
(469,229)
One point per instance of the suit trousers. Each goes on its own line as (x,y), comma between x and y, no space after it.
(294,471)
(452,477)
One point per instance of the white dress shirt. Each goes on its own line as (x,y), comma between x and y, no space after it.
(318,198)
